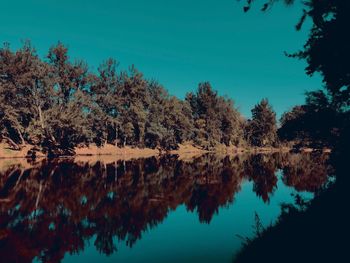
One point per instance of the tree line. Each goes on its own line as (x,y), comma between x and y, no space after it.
(56,104)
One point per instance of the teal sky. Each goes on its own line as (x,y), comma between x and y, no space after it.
(179,43)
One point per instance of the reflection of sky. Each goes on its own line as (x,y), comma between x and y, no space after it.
(181,238)
(179,43)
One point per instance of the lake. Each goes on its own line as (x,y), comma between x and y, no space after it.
(163,209)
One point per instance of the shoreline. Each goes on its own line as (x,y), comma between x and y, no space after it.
(185,151)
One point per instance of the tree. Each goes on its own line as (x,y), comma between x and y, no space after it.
(26,93)
(215,119)
(56,105)
(106,103)
(134,100)
(293,124)
(12,126)
(203,104)
(315,124)
(327,49)
(170,120)
(67,120)
(262,129)
(231,123)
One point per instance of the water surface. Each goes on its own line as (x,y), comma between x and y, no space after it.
(147,210)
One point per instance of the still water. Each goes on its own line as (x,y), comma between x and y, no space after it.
(148,210)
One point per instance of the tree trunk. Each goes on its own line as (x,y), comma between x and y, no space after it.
(116,135)
(21,137)
(106,139)
(41,119)
(12,143)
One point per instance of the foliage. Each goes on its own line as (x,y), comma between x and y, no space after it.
(314,124)
(215,118)
(261,130)
(324,117)
(57,104)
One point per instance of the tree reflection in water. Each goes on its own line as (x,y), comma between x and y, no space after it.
(312,231)
(52,207)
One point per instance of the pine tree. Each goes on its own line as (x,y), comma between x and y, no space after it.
(262,129)
(67,119)
(134,100)
(26,93)
(215,118)
(106,103)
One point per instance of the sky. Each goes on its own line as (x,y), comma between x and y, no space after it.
(178,43)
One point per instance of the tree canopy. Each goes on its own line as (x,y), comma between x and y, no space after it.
(262,129)
(56,104)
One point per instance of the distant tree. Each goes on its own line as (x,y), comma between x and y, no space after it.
(170,120)
(67,120)
(134,100)
(215,118)
(204,109)
(232,123)
(316,123)
(12,123)
(26,93)
(293,124)
(261,130)
(57,104)
(106,103)
(155,130)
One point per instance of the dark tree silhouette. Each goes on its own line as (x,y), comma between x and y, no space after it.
(315,231)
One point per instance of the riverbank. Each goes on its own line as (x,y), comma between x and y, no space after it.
(7,152)
(185,151)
